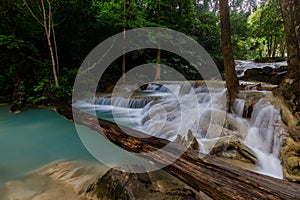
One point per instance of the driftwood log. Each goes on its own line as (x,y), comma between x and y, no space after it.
(210,175)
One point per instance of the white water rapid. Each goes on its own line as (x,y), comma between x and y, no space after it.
(181,108)
(242,65)
(264,136)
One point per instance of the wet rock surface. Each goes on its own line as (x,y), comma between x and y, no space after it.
(232,147)
(119,183)
(266,74)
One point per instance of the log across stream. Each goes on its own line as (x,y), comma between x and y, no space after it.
(210,175)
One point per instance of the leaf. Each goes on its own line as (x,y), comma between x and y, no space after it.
(298,124)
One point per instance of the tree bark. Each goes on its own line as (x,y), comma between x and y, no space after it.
(216,178)
(124,42)
(158,56)
(290,11)
(232,82)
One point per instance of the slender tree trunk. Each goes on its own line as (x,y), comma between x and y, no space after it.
(232,82)
(269,46)
(55,45)
(47,26)
(52,60)
(157,74)
(274,49)
(46,20)
(124,41)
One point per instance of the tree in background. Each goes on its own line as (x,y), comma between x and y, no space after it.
(232,82)
(124,39)
(157,73)
(43,12)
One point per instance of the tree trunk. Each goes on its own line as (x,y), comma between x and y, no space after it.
(290,13)
(274,47)
(232,82)
(47,26)
(55,45)
(52,59)
(216,178)
(158,57)
(157,74)
(124,42)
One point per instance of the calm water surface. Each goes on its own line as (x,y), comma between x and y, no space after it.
(34,138)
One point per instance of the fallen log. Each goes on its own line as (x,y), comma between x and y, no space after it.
(210,175)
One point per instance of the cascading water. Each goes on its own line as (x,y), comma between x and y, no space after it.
(264,137)
(181,109)
(242,65)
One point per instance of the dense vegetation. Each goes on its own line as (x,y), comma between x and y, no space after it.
(43,43)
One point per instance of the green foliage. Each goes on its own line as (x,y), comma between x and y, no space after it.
(298,124)
(81,25)
(38,96)
(207,32)
(267,24)
(239,33)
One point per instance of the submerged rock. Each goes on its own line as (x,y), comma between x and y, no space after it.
(119,183)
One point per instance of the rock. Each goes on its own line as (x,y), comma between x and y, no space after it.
(290,157)
(267,70)
(266,74)
(119,183)
(218,123)
(190,142)
(59,181)
(282,68)
(291,92)
(15,108)
(232,147)
(251,99)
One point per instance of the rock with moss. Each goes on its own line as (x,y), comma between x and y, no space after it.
(290,157)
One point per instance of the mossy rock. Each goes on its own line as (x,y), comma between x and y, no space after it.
(290,157)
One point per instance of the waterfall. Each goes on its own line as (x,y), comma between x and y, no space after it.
(264,137)
(239,107)
(182,108)
(123,102)
(242,65)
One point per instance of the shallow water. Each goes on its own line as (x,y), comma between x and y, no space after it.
(33,138)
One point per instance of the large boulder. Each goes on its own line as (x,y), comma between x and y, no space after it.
(119,183)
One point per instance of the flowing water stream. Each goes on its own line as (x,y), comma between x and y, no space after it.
(181,109)
(37,137)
